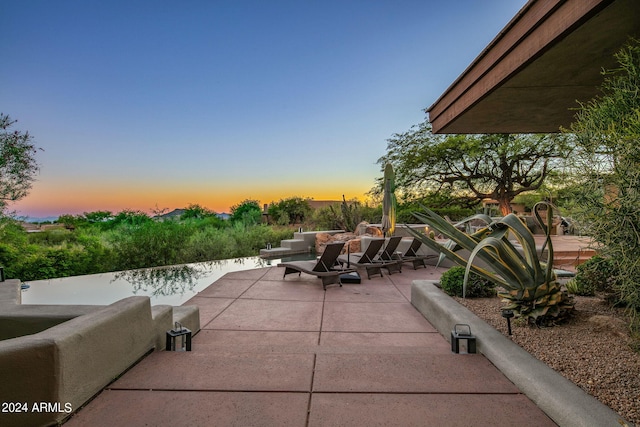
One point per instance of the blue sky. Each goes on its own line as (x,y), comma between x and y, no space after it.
(141,104)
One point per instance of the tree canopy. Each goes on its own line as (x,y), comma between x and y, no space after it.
(195,211)
(18,166)
(491,166)
(292,210)
(247,212)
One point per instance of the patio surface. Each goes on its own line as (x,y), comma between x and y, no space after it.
(277,352)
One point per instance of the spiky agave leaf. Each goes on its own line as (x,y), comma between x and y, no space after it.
(525,239)
(458,239)
(482,217)
(477,236)
(505,261)
(547,229)
(453,256)
(529,286)
(461,240)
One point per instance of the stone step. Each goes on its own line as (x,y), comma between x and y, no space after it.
(573,258)
(577,252)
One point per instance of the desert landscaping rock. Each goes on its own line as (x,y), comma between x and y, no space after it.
(593,349)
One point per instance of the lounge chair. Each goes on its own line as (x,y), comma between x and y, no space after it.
(324,268)
(411,255)
(369,259)
(389,258)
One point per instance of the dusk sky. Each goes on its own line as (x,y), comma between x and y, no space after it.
(145,104)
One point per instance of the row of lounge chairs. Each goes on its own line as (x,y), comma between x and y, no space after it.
(330,266)
(375,257)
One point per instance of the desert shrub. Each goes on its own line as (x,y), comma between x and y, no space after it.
(210,244)
(572,287)
(44,262)
(149,244)
(52,237)
(607,130)
(452,282)
(345,216)
(597,274)
(249,240)
(50,254)
(293,210)
(247,212)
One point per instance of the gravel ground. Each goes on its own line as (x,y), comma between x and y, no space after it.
(593,350)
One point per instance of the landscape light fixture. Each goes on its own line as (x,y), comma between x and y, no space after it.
(181,334)
(508,314)
(460,332)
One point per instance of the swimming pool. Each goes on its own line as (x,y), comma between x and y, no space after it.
(172,285)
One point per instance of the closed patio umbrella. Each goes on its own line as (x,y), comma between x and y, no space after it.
(389,202)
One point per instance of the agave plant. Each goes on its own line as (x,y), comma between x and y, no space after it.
(528,286)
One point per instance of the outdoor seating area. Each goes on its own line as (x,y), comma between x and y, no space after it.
(270,350)
(275,351)
(287,352)
(379,253)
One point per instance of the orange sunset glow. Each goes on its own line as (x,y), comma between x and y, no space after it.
(52,200)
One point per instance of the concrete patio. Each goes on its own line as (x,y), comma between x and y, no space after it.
(285,352)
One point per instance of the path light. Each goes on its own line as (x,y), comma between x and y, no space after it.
(178,333)
(462,332)
(508,314)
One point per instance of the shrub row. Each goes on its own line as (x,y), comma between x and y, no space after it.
(90,249)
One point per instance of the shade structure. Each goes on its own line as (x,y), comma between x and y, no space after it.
(389,202)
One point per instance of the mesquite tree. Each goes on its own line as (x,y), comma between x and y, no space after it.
(491,166)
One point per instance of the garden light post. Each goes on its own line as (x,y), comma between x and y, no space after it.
(508,314)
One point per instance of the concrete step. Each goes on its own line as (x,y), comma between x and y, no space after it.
(295,244)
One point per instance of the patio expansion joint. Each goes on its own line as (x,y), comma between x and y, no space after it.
(212,390)
(310,393)
(253,284)
(276,299)
(419,393)
(259,330)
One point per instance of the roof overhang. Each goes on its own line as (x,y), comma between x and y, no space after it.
(531,77)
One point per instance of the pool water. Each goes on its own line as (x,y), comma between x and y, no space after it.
(172,285)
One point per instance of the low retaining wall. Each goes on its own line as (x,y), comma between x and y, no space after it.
(563,401)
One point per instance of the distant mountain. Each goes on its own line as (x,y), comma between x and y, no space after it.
(174,213)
